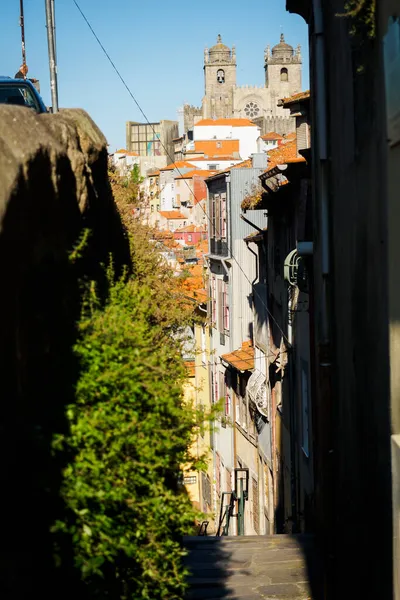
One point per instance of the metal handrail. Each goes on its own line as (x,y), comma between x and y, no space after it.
(225,513)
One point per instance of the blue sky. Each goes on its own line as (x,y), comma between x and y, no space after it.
(157,46)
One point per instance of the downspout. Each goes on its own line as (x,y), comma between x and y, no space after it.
(323,400)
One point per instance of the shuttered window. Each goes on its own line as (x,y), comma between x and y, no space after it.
(217,220)
(213,301)
(225,306)
(303,141)
(220,297)
(223,216)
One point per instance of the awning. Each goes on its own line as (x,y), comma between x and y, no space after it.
(242,359)
(257,392)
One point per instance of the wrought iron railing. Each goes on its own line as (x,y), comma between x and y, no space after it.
(226,513)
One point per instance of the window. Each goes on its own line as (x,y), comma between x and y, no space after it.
(284,74)
(203,346)
(223,216)
(219,144)
(213,301)
(184,223)
(228,402)
(178,199)
(213,167)
(158,207)
(178,183)
(225,306)
(221,76)
(252,110)
(237,410)
(152,208)
(189,238)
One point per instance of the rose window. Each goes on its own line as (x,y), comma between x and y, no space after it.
(252,110)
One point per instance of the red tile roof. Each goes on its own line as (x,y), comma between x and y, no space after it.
(122,151)
(225,122)
(179,164)
(271,136)
(200,172)
(242,359)
(281,155)
(215,158)
(296,98)
(171,214)
(191,229)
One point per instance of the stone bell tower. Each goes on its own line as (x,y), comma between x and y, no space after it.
(283,70)
(219,81)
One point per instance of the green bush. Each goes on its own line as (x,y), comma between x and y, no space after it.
(129,434)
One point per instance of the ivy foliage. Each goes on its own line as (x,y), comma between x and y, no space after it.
(130,431)
(363,16)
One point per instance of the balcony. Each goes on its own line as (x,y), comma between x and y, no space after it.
(219,247)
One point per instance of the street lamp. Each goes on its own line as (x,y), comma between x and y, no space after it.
(242,494)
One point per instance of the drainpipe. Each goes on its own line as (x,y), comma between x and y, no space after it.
(322,411)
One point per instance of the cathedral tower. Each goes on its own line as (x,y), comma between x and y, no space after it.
(283,70)
(219,81)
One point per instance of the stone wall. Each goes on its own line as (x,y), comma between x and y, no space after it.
(53,186)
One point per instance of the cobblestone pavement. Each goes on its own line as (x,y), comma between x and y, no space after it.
(253,567)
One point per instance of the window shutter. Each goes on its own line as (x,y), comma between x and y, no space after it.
(223,216)
(217,215)
(220,290)
(302,134)
(221,386)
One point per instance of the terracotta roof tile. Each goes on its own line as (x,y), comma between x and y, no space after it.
(221,122)
(214,158)
(172,214)
(296,98)
(272,136)
(281,155)
(200,172)
(241,359)
(179,164)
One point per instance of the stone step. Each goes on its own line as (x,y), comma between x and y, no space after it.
(250,567)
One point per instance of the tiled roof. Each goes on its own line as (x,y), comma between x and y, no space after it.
(191,229)
(242,359)
(200,172)
(281,155)
(122,151)
(289,136)
(296,98)
(217,147)
(245,164)
(172,214)
(225,122)
(214,158)
(179,164)
(271,136)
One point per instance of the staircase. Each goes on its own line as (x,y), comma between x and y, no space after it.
(252,567)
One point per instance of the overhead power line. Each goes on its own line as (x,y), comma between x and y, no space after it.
(172,160)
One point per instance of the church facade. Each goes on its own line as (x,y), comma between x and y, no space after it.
(224,99)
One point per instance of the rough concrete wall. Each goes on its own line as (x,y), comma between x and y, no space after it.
(53,184)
